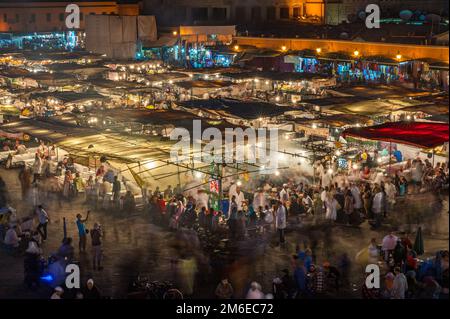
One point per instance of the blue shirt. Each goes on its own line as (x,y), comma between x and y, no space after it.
(81,228)
(398,155)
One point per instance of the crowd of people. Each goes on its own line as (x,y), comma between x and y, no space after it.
(272,208)
(405,276)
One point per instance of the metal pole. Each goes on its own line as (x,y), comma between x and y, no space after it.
(64,228)
(433,157)
(390,151)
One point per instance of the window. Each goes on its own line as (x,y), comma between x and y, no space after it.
(180,14)
(33,18)
(49,17)
(81,16)
(296,12)
(256,13)
(240,13)
(271,13)
(219,13)
(5,17)
(61,17)
(200,14)
(284,13)
(104,13)
(17,18)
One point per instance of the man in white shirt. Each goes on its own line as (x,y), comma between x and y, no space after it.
(37,167)
(240,199)
(324,194)
(280,221)
(400,285)
(378,206)
(357,196)
(259,199)
(284,194)
(232,190)
(43,221)
(391,191)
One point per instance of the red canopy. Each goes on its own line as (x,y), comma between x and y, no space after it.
(418,134)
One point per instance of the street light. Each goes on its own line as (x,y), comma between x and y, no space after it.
(236,47)
(318,50)
(175,33)
(283,48)
(356,53)
(398,56)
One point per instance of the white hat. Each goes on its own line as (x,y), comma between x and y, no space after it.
(90,281)
(59,289)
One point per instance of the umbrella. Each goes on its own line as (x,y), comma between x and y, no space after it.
(405,15)
(418,243)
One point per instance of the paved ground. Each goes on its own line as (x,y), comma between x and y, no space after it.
(133,245)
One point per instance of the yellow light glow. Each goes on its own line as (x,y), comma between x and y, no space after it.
(283,48)
(318,50)
(356,53)
(236,47)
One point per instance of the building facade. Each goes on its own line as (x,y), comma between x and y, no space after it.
(338,11)
(26,17)
(186,12)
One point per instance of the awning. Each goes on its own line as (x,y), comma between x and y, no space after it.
(418,134)
(203,84)
(160,43)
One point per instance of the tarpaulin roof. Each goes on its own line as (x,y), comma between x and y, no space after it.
(276,76)
(203,84)
(244,109)
(161,42)
(418,134)
(70,97)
